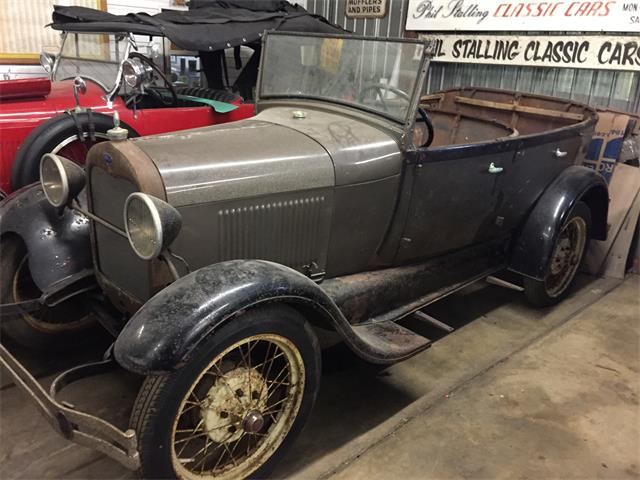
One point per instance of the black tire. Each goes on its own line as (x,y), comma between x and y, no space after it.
(47,136)
(159,402)
(42,330)
(539,293)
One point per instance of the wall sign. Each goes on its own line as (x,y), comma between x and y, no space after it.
(366,8)
(591,51)
(505,15)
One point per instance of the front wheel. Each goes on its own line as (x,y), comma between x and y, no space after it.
(233,409)
(565,259)
(64,326)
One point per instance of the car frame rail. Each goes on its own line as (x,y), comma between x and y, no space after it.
(76,426)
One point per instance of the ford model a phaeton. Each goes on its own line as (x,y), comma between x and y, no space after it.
(348,203)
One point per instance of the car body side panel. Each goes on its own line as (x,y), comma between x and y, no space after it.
(535,242)
(360,152)
(288,228)
(58,245)
(454,204)
(361,218)
(528,173)
(237,160)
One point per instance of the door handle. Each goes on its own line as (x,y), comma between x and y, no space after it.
(559,153)
(494,169)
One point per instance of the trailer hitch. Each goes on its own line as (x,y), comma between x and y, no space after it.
(74,425)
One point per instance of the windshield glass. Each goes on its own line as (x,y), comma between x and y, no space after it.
(95,57)
(377,75)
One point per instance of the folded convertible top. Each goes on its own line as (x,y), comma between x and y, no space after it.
(209,25)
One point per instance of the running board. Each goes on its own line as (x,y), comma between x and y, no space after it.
(390,341)
(411,307)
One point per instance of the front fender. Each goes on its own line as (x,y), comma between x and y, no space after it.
(57,245)
(160,336)
(534,244)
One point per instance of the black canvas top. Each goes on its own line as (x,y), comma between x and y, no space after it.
(209,25)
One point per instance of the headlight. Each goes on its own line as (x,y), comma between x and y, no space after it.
(134,72)
(47,60)
(151,224)
(61,179)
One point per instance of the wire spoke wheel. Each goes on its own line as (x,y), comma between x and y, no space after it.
(566,256)
(75,150)
(239,409)
(68,316)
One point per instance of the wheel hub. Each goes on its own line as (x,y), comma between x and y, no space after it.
(234,404)
(253,422)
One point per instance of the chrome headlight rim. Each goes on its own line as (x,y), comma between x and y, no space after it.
(64,180)
(136,71)
(47,61)
(157,225)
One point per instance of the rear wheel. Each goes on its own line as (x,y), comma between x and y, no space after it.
(234,408)
(55,328)
(565,259)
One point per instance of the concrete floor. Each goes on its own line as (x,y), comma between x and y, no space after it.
(516,393)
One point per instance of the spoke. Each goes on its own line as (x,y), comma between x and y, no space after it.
(189,438)
(247,364)
(235,464)
(281,354)
(270,409)
(190,407)
(268,372)
(219,458)
(203,449)
(191,432)
(236,446)
(272,391)
(204,457)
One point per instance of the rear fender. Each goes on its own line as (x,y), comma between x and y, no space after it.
(534,244)
(57,244)
(160,337)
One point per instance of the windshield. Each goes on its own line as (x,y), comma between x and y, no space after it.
(376,75)
(95,57)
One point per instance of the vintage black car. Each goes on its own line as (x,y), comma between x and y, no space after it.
(348,203)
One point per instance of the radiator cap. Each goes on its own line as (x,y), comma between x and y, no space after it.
(117,133)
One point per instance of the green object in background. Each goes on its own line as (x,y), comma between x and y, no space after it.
(219,107)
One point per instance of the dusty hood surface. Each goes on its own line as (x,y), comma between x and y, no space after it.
(237,160)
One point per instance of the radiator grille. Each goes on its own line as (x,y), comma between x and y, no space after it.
(287,232)
(115,257)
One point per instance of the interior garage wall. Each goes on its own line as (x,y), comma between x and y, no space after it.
(117,7)
(614,89)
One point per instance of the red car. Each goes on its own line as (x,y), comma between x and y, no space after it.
(93,76)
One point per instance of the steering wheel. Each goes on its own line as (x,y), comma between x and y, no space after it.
(379,87)
(174,96)
(429,124)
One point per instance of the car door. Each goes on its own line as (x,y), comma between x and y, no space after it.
(455,196)
(536,163)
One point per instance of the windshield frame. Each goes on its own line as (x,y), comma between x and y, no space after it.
(409,119)
(122,36)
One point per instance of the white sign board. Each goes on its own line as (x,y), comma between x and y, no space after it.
(585,51)
(366,8)
(536,16)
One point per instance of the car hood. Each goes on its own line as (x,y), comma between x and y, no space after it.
(271,153)
(237,160)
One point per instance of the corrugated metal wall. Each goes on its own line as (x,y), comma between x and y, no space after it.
(618,90)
